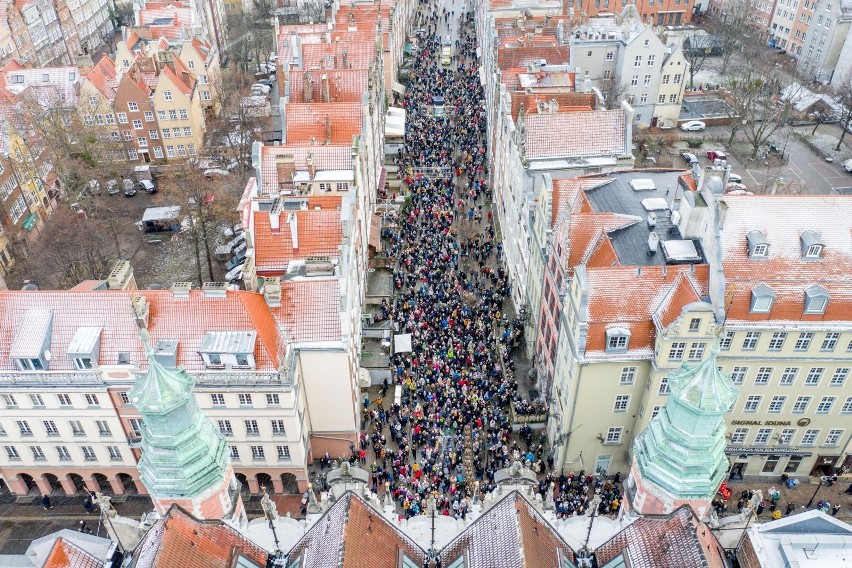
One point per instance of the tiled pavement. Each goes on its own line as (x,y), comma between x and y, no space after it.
(799,496)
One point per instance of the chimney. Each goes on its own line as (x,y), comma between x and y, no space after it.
(628,127)
(272,292)
(334,61)
(215,289)
(181,289)
(165,352)
(327,130)
(311,169)
(307,87)
(140,311)
(653,243)
(326,88)
(275,215)
(345,59)
(121,277)
(294,229)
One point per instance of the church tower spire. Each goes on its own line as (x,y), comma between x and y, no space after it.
(679,459)
(185,460)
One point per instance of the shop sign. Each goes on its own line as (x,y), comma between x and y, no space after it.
(765,451)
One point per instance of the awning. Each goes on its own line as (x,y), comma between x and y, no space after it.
(30,221)
(402,343)
(398,88)
(376,233)
(383,177)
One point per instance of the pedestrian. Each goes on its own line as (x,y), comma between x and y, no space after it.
(834,509)
(45,502)
(760,507)
(790,507)
(89,503)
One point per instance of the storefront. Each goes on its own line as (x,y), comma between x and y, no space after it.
(765,461)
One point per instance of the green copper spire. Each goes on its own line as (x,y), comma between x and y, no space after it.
(183,455)
(682,451)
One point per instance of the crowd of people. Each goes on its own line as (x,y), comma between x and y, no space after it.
(447,426)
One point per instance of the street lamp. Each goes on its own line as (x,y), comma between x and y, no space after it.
(811,502)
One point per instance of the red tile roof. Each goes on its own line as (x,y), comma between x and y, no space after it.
(330,55)
(319,234)
(66,555)
(568,102)
(102,77)
(331,157)
(670,541)
(305,122)
(782,219)
(574,134)
(345,85)
(308,309)
(180,540)
(509,57)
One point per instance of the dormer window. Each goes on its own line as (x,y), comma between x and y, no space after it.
(762,298)
(84,348)
(617,340)
(812,245)
(758,246)
(816,300)
(229,349)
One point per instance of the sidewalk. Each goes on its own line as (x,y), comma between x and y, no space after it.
(798,495)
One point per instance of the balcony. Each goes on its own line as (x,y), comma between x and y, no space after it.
(230,378)
(76,378)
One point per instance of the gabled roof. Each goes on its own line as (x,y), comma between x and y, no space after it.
(331,157)
(309,309)
(783,220)
(345,85)
(103,78)
(66,555)
(574,134)
(508,57)
(676,540)
(319,233)
(567,102)
(351,534)
(809,522)
(305,122)
(512,533)
(181,540)
(331,55)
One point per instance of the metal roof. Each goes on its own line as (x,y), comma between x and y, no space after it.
(34,328)
(85,340)
(228,342)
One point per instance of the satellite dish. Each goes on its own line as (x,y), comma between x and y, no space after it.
(47,355)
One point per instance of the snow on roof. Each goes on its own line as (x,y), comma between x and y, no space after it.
(166,213)
(574,134)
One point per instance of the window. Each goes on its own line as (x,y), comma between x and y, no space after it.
(762,298)
(694,324)
(241,360)
(628,375)
(664,387)
(738,375)
(125,399)
(110,118)
(103,428)
(621,402)
(181,150)
(613,436)
(830,341)
(283,453)
(218,399)
(661,99)
(815,303)
(739,436)
(696,351)
(655,411)
(634,81)
(225,428)
(63,453)
(142,141)
(128,136)
(788,377)
(251,428)
(153,135)
(666,79)
(12,453)
(638,61)
(839,377)
(750,341)
(278,427)
(161,115)
(158,152)
(616,341)
(771,463)
(257,453)
(132,106)
(172,115)
(762,436)
(132,154)
(136,425)
(786,436)
(149,116)
(610,55)
(752,403)
(187,131)
(167,132)
(833,437)
(777,341)
(183,114)
(762,376)
(810,436)
(814,376)
(776,405)
(760,250)
(726,340)
(191,64)
(88,453)
(825,404)
(137,124)
(272,399)
(37,400)
(235,453)
(114,453)
(77,427)
(92,400)
(647,82)
(24,428)
(205,95)
(170,150)
(64,399)
(122,117)
(677,79)
(801,404)
(167,95)
(245,399)
(676,351)
(813,251)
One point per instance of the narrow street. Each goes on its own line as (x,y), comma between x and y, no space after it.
(444,423)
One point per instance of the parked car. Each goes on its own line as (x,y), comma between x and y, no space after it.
(261,87)
(236,241)
(112,187)
(446,53)
(266,82)
(240,248)
(693,126)
(235,273)
(128,186)
(735,178)
(714,155)
(148,186)
(689,158)
(236,261)
(213,172)
(847,165)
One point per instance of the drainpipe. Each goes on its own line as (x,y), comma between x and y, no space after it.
(570,430)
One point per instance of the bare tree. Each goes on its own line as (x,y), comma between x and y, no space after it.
(231,134)
(612,90)
(843,94)
(757,109)
(697,47)
(731,30)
